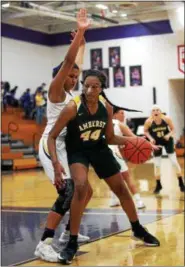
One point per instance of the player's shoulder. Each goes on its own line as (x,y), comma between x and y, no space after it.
(166,118)
(149,121)
(102,100)
(77,100)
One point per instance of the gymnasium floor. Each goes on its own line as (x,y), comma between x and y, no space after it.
(28,195)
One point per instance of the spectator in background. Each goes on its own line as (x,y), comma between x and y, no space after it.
(6,87)
(45,93)
(40,88)
(26,103)
(2,95)
(13,101)
(14,90)
(6,95)
(40,102)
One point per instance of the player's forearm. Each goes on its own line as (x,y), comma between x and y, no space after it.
(170,134)
(117,140)
(73,49)
(148,135)
(127,132)
(80,56)
(52,149)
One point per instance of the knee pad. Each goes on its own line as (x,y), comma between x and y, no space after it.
(63,202)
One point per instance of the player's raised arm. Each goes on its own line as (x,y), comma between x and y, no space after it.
(80,55)
(55,92)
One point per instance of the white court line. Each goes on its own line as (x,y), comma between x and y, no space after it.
(91,213)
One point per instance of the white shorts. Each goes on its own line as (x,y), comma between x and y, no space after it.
(121,162)
(46,161)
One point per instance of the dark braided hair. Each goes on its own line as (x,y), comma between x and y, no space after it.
(116,109)
(99,74)
(103,79)
(56,69)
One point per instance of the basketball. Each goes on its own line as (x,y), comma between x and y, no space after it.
(137,150)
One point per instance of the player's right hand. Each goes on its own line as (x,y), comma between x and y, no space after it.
(83,21)
(59,182)
(155,147)
(152,141)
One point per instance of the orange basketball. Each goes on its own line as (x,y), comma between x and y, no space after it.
(137,150)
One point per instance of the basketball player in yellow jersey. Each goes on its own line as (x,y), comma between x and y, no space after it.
(89,119)
(159,129)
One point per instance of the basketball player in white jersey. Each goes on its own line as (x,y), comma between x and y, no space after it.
(64,79)
(121,129)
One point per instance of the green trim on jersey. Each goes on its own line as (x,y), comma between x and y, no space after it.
(86,131)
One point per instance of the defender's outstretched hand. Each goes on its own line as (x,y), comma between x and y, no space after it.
(83,21)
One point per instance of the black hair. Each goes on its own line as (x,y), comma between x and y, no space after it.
(99,74)
(103,79)
(116,109)
(56,69)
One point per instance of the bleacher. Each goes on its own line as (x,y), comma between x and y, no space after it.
(19,141)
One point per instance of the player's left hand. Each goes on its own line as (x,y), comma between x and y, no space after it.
(155,147)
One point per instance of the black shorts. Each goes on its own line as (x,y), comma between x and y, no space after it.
(101,159)
(168,145)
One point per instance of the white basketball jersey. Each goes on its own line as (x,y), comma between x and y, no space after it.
(118,132)
(53,112)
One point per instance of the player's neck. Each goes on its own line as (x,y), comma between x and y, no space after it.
(92,107)
(158,120)
(67,91)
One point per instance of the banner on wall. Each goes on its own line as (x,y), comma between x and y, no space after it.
(181,60)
